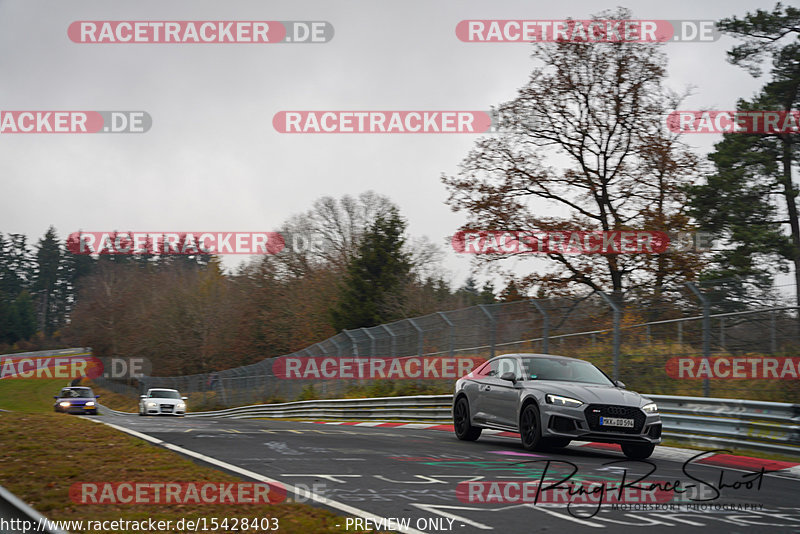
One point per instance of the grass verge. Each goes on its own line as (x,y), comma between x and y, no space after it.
(28,395)
(45,453)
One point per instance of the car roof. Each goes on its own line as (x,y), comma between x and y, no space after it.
(537,355)
(161,389)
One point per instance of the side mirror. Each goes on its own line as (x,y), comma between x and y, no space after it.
(184,398)
(142,396)
(55,397)
(619,384)
(510,376)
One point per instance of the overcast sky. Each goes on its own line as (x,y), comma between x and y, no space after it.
(212,160)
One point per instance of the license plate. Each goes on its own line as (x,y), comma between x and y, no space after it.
(616,421)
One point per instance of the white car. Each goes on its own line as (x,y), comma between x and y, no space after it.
(162,402)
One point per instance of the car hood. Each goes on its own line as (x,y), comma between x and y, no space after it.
(75,399)
(589,393)
(163,401)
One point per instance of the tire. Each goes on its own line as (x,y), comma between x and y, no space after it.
(530,429)
(638,451)
(93,412)
(556,443)
(463,428)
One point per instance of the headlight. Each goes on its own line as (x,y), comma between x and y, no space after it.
(64,404)
(181,405)
(90,403)
(558,400)
(650,408)
(151,404)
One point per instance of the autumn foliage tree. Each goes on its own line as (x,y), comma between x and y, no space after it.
(585,147)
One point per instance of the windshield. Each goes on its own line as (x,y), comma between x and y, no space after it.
(165,394)
(76,393)
(566,370)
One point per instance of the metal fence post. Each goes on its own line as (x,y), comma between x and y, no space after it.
(338,346)
(371,342)
(393,337)
(680,332)
(451,326)
(706,331)
(420,344)
(421,339)
(353,345)
(324,352)
(545,327)
(617,320)
(493,328)
(773,341)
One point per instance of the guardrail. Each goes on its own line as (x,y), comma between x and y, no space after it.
(700,421)
(420,408)
(709,422)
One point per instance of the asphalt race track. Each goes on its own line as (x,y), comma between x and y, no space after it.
(412,475)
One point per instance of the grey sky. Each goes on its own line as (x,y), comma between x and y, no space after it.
(212,160)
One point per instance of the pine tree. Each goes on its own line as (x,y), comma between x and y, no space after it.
(46,282)
(374,276)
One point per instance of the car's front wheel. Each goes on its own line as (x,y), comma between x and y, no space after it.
(530,431)
(461,424)
(638,451)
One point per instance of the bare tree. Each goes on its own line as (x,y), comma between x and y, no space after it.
(585,147)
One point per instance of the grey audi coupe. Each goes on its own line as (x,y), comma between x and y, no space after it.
(551,400)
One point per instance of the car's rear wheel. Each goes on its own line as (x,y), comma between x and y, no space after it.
(638,451)
(461,424)
(530,431)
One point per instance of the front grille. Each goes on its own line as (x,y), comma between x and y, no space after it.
(594,412)
(166,408)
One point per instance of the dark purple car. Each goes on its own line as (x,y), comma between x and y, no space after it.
(76,400)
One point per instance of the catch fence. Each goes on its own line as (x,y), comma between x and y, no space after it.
(653,343)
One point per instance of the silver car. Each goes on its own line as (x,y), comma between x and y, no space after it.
(551,400)
(162,402)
